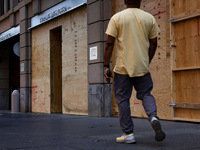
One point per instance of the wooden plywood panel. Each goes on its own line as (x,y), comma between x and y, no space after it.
(155,7)
(41,95)
(74,63)
(187,41)
(75,85)
(188,92)
(40,71)
(187,113)
(160,66)
(181,6)
(186,60)
(188,86)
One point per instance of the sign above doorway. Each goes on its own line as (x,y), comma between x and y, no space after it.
(9,33)
(56,11)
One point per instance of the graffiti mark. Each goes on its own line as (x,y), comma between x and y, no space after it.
(159,13)
(136,103)
(75,52)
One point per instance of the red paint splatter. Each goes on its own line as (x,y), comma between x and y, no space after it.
(136,103)
(34,87)
(36,92)
(159,13)
(43,103)
(35,98)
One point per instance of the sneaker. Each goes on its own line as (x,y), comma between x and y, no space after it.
(159,134)
(126,139)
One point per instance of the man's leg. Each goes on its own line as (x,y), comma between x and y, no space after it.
(123,89)
(144,85)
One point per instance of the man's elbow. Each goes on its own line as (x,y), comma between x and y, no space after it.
(110,41)
(109,44)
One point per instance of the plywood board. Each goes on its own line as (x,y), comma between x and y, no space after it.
(74,63)
(160,66)
(40,73)
(186,68)
(187,41)
(75,85)
(188,86)
(188,105)
(187,113)
(181,6)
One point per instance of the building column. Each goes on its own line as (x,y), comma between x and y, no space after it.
(36,9)
(25,62)
(99,93)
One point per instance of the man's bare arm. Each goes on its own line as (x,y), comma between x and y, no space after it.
(152,48)
(107,54)
(108,49)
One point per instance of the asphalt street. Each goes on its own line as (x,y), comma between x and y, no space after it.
(29,131)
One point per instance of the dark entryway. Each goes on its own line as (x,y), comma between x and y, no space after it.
(9,72)
(56,69)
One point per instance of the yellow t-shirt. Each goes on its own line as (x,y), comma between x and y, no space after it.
(132,29)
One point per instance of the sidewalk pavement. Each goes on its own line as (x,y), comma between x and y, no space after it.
(29,131)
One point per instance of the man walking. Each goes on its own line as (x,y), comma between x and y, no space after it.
(135,33)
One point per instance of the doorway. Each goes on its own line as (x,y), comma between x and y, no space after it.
(9,72)
(14,67)
(56,69)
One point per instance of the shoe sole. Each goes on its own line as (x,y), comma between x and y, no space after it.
(128,141)
(159,134)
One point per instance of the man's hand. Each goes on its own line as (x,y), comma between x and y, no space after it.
(107,55)
(105,74)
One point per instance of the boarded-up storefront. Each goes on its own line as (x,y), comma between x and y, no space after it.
(59,64)
(61,46)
